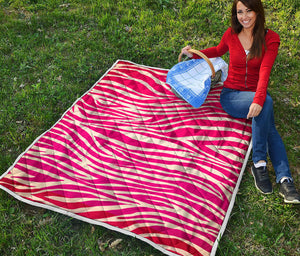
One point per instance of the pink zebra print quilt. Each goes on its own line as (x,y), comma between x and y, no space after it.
(131,156)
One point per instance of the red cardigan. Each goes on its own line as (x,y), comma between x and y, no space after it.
(252,75)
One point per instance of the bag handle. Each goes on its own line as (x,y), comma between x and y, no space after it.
(204,57)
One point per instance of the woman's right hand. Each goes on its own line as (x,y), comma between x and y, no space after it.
(254,110)
(185,51)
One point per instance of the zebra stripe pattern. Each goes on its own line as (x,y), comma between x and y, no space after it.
(131,155)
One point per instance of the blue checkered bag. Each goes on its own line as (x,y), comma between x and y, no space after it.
(191,80)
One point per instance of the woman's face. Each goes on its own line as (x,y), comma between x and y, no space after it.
(245,16)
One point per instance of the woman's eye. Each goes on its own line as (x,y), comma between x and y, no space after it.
(249,10)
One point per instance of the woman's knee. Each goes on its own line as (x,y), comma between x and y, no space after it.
(267,110)
(268,105)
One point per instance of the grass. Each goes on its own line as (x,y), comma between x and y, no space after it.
(53,51)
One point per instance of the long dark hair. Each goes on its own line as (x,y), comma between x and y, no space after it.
(259,27)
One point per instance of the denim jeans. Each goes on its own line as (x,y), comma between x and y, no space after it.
(265,138)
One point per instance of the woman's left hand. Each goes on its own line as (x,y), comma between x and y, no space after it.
(254,110)
(185,51)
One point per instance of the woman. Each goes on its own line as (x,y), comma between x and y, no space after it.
(253,50)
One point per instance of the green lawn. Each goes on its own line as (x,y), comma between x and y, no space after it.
(53,51)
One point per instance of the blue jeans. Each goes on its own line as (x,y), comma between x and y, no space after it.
(265,138)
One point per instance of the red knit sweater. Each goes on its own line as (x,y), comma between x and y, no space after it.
(246,75)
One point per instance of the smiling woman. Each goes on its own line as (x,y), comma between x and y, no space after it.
(253,50)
